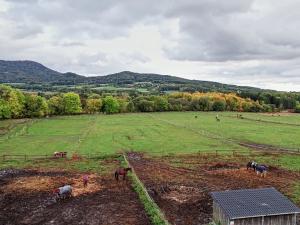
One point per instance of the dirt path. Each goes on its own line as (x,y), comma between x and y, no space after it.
(184,193)
(25,198)
(265,147)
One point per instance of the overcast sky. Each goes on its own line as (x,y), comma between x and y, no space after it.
(243,42)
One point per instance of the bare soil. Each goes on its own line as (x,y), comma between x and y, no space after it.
(183,191)
(26,198)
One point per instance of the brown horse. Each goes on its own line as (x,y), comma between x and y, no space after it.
(122,171)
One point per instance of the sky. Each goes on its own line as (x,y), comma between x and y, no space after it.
(242,42)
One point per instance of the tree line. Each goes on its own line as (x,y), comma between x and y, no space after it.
(17,104)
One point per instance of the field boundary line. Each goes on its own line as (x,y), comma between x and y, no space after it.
(263,121)
(157,217)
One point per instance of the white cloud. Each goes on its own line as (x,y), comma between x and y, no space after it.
(245,42)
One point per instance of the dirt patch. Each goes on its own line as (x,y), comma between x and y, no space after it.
(222,166)
(26,198)
(184,193)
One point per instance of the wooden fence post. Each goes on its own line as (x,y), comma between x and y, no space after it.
(25,157)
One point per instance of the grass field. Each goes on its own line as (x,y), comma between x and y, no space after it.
(172,141)
(153,132)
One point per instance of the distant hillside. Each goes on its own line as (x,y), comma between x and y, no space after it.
(33,72)
(30,72)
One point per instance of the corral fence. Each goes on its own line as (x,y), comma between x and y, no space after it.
(25,157)
(220,152)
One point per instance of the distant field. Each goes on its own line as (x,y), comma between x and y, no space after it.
(150,132)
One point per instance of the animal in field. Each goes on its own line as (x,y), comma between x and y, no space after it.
(85,180)
(60,154)
(63,192)
(261,170)
(122,172)
(217,118)
(252,165)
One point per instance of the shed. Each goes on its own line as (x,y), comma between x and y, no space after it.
(265,206)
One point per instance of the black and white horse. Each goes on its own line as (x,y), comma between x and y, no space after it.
(259,169)
(252,165)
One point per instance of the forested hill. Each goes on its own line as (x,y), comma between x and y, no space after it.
(30,72)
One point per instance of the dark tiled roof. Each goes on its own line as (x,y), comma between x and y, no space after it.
(254,203)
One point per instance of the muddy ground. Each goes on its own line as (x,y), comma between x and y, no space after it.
(181,186)
(26,198)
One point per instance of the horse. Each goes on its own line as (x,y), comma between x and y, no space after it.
(262,170)
(63,192)
(252,165)
(123,172)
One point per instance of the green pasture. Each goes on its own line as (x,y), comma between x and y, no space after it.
(159,134)
(106,134)
(237,130)
(156,133)
(290,119)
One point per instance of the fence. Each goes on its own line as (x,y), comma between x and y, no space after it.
(25,157)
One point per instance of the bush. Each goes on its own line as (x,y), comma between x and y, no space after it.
(5,112)
(219,105)
(110,105)
(297,109)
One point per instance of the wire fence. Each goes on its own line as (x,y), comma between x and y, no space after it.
(28,157)
(101,155)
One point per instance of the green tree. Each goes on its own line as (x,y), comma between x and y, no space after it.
(145,105)
(219,105)
(35,106)
(160,104)
(130,107)
(14,98)
(5,112)
(175,104)
(72,104)
(56,105)
(110,105)
(122,105)
(94,96)
(93,105)
(297,109)
(204,104)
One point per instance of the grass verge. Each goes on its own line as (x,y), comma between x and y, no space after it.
(153,211)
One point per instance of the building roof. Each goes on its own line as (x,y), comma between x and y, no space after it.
(254,203)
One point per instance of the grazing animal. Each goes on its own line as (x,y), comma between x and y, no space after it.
(60,154)
(63,192)
(262,170)
(123,172)
(252,165)
(85,180)
(217,118)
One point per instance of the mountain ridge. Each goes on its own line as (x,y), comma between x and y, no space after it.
(31,72)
